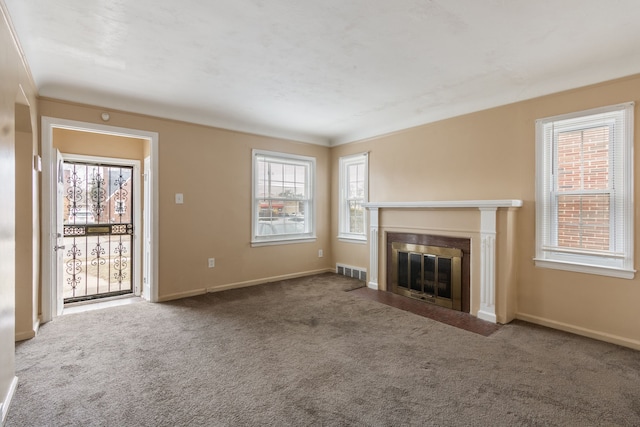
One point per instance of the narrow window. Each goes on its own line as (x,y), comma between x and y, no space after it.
(283,198)
(584,214)
(353,193)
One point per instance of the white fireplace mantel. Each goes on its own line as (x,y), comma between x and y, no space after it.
(447,204)
(488,209)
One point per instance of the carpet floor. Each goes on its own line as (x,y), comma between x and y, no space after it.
(304,352)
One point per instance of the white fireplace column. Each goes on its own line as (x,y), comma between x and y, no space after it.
(373,248)
(488,212)
(488,264)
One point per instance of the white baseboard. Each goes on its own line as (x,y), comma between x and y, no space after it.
(192,293)
(4,406)
(179,295)
(598,335)
(268,279)
(487,315)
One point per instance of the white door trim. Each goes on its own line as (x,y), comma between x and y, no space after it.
(49,300)
(146,238)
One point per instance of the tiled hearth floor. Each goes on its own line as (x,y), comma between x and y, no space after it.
(444,315)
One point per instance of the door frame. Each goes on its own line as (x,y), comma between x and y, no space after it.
(48,233)
(146,234)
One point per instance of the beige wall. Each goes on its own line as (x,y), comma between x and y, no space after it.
(27,236)
(98,144)
(491,155)
(12,97)
(212,168)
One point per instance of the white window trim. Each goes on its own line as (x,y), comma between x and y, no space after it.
(618,262)
(311,215)
(343,212)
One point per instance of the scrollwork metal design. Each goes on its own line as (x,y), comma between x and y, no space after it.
(98,193)
(74,191)
(121,195)
(120,263)
(74,267)
(98,253)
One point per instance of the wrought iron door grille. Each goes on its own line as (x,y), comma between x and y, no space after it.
(98,231)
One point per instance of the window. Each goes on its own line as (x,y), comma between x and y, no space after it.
(584,193)
(353,193)
(283,198)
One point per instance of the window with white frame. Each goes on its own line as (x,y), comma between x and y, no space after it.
(283,198)
(584,191)
(353,192)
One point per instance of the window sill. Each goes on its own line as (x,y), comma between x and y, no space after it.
(351,239)
(584,268)
(258,243)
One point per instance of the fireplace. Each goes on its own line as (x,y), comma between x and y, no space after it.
(480,292)
(433,269)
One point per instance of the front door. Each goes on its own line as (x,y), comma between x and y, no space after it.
(98,231)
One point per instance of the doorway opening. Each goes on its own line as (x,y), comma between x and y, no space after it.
(92,241)
(98,230)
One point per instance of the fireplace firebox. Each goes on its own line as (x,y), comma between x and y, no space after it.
(433,269)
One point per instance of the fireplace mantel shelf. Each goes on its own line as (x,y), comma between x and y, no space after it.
(447,204)
(488,210)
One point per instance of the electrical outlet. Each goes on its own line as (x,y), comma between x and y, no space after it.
(320,253)
(212,262)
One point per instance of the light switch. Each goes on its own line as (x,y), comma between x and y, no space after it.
(179,199)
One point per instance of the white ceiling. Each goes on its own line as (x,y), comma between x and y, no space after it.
(326,72)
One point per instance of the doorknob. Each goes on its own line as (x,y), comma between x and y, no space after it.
(55,248)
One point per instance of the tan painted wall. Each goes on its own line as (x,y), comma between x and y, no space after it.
(212,168)
(491,155)
(97,144)
(27,237)
(13,74)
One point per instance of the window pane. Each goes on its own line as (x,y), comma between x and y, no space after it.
(283,180)
(261,178)
(584,221)
(355,179)
(583,159)
(596,158)
(356,217)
